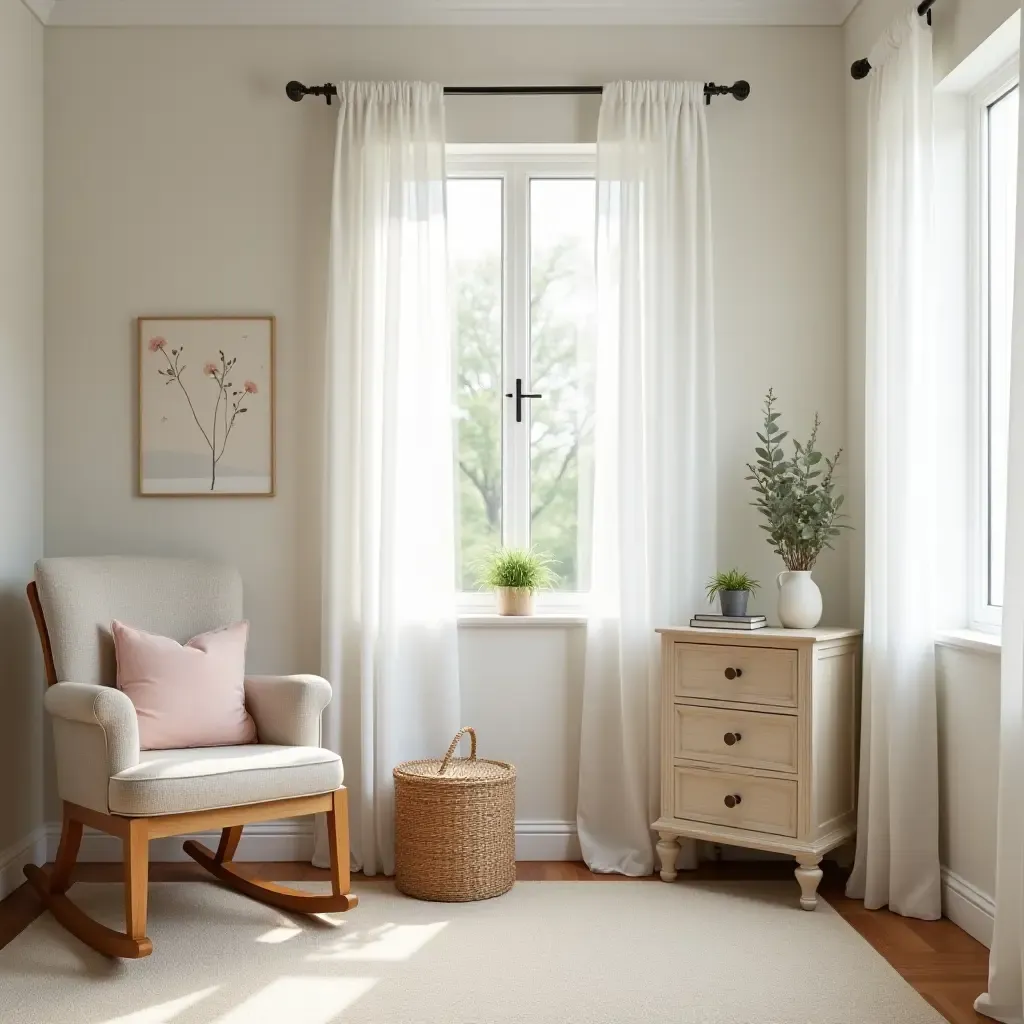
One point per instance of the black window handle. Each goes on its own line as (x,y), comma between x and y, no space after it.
(519,395)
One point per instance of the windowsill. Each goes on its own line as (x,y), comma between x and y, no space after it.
(970,640)
(476,620)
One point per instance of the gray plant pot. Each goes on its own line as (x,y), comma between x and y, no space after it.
(734,602)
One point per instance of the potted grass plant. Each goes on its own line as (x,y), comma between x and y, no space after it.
(733,589)
(515,574)
(797,497)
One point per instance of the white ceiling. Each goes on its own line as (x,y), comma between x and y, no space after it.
(441,12)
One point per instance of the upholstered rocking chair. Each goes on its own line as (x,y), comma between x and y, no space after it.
(106,782)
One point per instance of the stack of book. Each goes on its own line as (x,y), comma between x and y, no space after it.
(729,621)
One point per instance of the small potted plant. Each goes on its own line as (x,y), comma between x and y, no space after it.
(733,590)
(797,497)
(514,574)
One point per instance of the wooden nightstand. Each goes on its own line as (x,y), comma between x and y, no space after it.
(759,743)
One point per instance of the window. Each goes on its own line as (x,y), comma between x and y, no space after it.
(994,132)
(521,254)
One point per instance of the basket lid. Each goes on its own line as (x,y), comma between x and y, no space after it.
(460,769)
(457,769)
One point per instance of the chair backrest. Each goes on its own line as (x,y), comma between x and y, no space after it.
(78,598)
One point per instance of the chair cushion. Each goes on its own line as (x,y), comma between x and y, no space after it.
(203,778)
(185,695)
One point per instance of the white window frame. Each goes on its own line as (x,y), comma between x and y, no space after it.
(515,165)
(982,615)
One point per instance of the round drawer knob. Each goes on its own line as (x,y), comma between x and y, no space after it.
(733,800)
(733,673)
(731,738)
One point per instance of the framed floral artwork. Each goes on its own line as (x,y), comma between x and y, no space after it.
(206,406)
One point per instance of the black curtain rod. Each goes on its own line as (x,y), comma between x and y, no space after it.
(296,90)
(861,68)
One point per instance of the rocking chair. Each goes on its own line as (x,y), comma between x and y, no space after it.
(106,782)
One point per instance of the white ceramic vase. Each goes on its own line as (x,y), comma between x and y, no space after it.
(799,600)
(514,600)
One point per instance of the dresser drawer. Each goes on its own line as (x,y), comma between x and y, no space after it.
(748,738)
(752,675)
(758,803)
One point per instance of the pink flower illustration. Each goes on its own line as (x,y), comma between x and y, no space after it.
(228,406)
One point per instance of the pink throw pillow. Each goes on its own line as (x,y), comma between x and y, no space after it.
(185,695)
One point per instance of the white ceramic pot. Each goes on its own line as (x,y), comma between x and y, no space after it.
(514,600)
(799,600)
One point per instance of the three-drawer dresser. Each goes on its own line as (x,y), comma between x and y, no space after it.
(759,743)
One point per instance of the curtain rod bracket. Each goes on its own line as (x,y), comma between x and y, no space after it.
(738,90)
(861,68)
(296,90)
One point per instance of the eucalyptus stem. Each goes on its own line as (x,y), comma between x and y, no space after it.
(798,503)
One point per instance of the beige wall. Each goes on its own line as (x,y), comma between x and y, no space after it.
(967,681)
(180,179)
(21,418)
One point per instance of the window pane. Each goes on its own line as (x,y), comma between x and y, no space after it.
(475,261)
(1002,192)
(562,327)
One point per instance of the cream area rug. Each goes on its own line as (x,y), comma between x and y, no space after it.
(565,952)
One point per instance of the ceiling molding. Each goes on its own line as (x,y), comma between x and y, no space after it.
(42,9)
(440,12)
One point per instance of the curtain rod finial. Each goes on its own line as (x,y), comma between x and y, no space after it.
(860,68)
(295,91)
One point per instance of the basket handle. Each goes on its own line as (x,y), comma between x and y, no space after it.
(455,742)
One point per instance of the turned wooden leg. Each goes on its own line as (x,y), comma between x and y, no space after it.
(136,878)
(229,838)
(808,874)
(67,854)
(668,851)
(337,843)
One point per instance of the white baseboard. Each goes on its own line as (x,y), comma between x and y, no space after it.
(547,840)
(842,855)
(285,841)
(968,907)
(707,852)
(30,850)
(265,840)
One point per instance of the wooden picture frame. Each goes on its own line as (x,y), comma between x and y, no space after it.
(206,406)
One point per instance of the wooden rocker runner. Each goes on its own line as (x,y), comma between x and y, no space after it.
(107,783)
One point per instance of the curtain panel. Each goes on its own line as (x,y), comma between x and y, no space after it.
(654,446)
(389,643)
(1004,999)
(897,859)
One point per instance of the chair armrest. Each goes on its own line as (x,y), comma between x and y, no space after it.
(287,709)
(95,735)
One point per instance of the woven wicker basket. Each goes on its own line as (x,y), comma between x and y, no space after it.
(455,830)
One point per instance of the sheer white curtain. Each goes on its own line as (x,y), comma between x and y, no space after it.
(1004,999)
(654,446)
(897,860)
(388,631)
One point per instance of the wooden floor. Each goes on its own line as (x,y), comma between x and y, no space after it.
(943,963)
